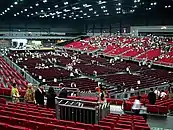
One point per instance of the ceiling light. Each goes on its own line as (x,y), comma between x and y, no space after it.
(119,4)
(44,1)
(15,15)
(103,7)
(81,11)
(36,12)
(48,8)
(101,2)
(32,14)
(37,4)
(65,3)
(65,10)
(74,18)
(5,11)
(86,5)
(56,6)
(21,11)
(8,8)
(11,6)
(42,11)
(31,7)
(90,9)
(27,15)
(16,3)
(25,10)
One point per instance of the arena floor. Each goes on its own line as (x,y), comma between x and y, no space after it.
(156,123)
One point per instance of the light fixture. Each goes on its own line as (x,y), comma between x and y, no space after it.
(16,3)
(56,6)
(65,3)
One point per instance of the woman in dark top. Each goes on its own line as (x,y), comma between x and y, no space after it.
(51,98)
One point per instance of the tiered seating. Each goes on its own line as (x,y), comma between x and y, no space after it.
(124,46)
(26,116)
(9,76)
(83,84)
(89,69)
(124,122)
(131,80)
(81,46)
(151,54)
(132,53)
(118,51)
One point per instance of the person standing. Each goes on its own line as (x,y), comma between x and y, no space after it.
(39,96)
(152,97)
(136,105)
(51,98)
(15,93)
(63,92)
(30,94)
(157,92)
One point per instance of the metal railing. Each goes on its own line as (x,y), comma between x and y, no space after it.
(27,76)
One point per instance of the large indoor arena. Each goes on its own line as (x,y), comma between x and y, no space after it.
(86,65)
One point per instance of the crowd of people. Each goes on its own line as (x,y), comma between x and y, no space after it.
(37,95)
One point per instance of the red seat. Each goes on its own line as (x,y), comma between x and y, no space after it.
(121,129)
(3,126)
(124,126)
(100,127)
(71,128)
(55,127)
(163,109)
(67,123)
(50,120)
(16,128)
(5,119)
(105,123)
(36,125)
(152,109)
(84,126)
(137,127)
(125,122)
(2,101)
(19,122)
(110,120)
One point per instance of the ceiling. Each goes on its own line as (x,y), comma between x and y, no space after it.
(81,9)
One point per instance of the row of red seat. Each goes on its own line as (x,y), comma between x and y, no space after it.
(114,49)
(35,117)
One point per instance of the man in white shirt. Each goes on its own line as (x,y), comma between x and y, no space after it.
(136,105)
(157,92)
